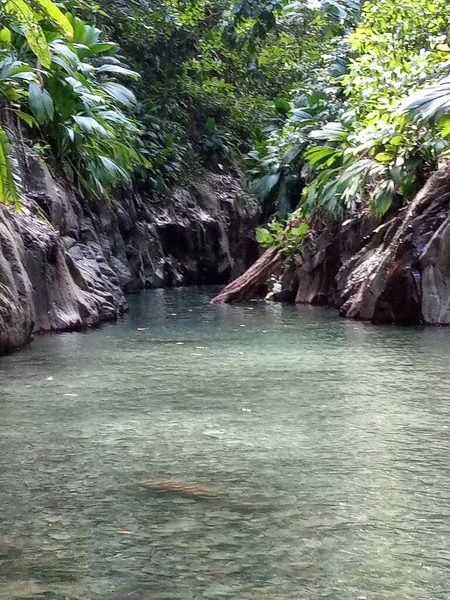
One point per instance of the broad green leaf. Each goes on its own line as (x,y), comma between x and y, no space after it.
(102,48)
(331,132)
(381,198)
(120,93)
(5,36)
(29,119)
(32,30)
(300,230)
(48,9)
(118,70)
(41,103)
(384,157)
(89,125)
(396,140)
(264,237)
(319,154)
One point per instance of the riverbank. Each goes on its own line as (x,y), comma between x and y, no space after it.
(390,271)
(67,264)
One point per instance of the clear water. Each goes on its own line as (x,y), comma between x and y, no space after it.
(327,443)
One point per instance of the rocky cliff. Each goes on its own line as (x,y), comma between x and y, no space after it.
(67,264)
(397,271)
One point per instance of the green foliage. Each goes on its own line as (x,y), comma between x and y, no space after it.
(80,108)
(289,237)
(8,174)
(381,135)
(28,14)
(332,105)
(215,144)
(75,107)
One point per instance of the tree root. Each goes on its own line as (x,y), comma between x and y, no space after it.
(253,280)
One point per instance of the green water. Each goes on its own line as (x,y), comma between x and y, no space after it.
(327,443)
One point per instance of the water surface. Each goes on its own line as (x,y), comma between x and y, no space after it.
(325,441)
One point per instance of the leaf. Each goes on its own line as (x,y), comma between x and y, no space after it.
(264,185)
(264,237)
(120,93)
(118,70)
(29,120)
(89,124)
(384,157)
(282,106)
(48,9)
(396,140)
(41,103)
(430,103)
(102,48)
(331,132)
(32,30)
(8,188)
(5,36)
(381,198)
(300,230)
(300,115)
(116,172)
(79,29)
(319,154)
(445,126)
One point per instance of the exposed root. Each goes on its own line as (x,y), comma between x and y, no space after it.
(253,280)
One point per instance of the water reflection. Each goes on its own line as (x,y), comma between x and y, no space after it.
(326,441)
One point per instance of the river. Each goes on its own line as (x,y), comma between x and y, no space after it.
(319,449)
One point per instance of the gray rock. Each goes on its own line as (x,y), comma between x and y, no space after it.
(68,264)
(396,273)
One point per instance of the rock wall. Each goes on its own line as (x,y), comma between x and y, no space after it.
(67,264)
(394,272)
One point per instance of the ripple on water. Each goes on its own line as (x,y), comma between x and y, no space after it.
(325,443)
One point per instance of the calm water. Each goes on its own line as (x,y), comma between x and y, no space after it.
(326,442)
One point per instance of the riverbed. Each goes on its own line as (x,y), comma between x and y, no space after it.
(307,457)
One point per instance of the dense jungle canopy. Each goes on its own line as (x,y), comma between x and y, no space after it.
(330,106)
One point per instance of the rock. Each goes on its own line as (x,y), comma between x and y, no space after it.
(16,312)
(397,271)
(67,264)
(402,276)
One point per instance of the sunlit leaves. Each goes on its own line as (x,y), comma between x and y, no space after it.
(31,28)
(8,185)
(432,102)
(28,14)
(48,10)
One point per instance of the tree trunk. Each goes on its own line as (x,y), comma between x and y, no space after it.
(255,278)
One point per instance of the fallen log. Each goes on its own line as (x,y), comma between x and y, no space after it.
(253,280)
(181,487)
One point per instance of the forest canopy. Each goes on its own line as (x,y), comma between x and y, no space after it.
(330,106)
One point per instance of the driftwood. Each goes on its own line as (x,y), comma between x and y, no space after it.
(251,282)
(181,487)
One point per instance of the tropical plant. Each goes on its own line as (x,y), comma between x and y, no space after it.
(382,156)
(24,16)
(288,236)
(367,147)
(80,108)
(28,15)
